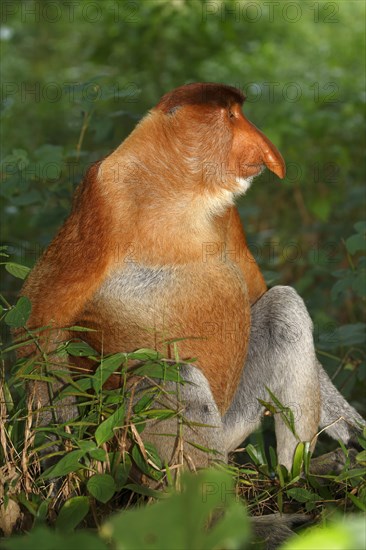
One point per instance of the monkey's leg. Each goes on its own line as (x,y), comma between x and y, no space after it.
(281,357)
(179,439)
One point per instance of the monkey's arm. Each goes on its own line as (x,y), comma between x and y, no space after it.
(75,262)
(236,245)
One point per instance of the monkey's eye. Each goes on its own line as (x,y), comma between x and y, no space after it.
(231,114)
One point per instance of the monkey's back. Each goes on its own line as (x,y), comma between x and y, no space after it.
(206,305)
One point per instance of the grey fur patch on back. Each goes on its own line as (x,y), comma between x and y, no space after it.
(135,279)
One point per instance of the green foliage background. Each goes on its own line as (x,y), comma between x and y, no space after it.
(78,76)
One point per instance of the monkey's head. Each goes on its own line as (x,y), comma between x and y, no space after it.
(197,140)
(210,116)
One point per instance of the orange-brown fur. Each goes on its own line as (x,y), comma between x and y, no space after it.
(161,206)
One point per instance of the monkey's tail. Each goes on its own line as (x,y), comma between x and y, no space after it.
(339,417)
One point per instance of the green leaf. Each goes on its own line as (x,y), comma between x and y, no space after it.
(106,368)
(122,472)
(144,466)
(302,495)
(86,445)
(144,490)
(76,328)
(143,403)
(105,430)
(80,349)
(29,197)
(102,487)
(144,354)
(358,283)
(255,454)
(72,513)
(162,371)
(42,513)
(321,207)
(361,456)
(180,520)
(298,459)
(360,227)
(349,474)
(357,502)
(43,538)
(17,270)
(285,412)
(351,334)
(345,534)
(68,463)
(18,316)
(355,243)
(98,454)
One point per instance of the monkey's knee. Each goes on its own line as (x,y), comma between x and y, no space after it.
(281,321)
(192,434)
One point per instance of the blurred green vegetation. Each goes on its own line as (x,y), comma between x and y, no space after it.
(77,76)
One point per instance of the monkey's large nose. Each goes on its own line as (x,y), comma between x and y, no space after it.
(271,156)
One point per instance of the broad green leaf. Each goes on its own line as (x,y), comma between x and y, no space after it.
(80,349)
(42,538)
(102,487)
(17,270)
(360,227)
(42,513)
(18,316)
(358,283)
(72,513)
(361,457)
(98,454)
(68,463)
(352,334)
(356,243)
(86,445)
(321,207)
(121,473)
(345,534)
(106,429)
(24,199)
(143,465)
(162,371)
(180,520)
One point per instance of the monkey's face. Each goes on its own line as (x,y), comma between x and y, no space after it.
(214,140)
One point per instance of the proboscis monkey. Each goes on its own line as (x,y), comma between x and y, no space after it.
(153,250)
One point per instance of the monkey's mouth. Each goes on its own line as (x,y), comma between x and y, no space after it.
(245,182)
